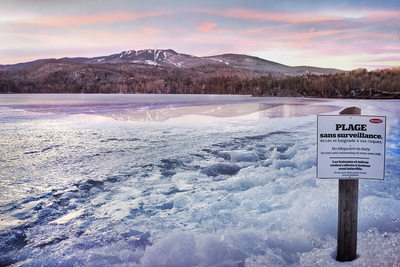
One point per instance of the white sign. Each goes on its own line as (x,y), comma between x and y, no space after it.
(351,147)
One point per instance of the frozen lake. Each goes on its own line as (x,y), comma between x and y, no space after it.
(182,180)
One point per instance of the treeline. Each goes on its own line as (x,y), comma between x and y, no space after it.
(64,77)
(357,83)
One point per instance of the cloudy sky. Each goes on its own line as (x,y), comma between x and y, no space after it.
(343,34)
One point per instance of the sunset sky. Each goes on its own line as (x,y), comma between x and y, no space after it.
(343,34)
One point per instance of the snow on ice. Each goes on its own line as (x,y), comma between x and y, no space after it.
(103,180)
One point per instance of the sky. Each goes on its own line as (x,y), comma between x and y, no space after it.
(344,34)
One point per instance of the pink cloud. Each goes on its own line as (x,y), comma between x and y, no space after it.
(206,26)
(150,31)
(111,17)
(250,14)
(382,14)
(305,17)
(309,35)
(384,59)
(363,37)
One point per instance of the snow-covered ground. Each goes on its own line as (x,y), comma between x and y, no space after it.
(139,180)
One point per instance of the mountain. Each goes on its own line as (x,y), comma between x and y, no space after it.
(169,58)
(169,72)
(19,66)
(262,66)
(166,71)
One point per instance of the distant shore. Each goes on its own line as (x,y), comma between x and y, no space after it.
(121,78)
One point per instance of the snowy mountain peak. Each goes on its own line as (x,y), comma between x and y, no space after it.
(171,58)
(146,56)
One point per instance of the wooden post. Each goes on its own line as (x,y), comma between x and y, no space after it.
(347,211)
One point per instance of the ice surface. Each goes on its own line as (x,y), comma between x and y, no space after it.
(103,180)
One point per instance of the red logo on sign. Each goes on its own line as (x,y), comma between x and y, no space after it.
(376,120)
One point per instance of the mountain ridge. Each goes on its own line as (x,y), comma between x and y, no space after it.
(170,58)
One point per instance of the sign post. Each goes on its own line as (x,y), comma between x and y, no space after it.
(350,147)
(347,212)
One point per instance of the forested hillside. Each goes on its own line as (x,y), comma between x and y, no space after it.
(357,83)
(60,76)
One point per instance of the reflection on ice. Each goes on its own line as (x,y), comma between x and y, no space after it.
(255,110)
(146,108)
(297,110)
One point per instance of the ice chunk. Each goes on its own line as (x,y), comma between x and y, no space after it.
(68,217)
(177,250)
(244,156)
(221,169)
